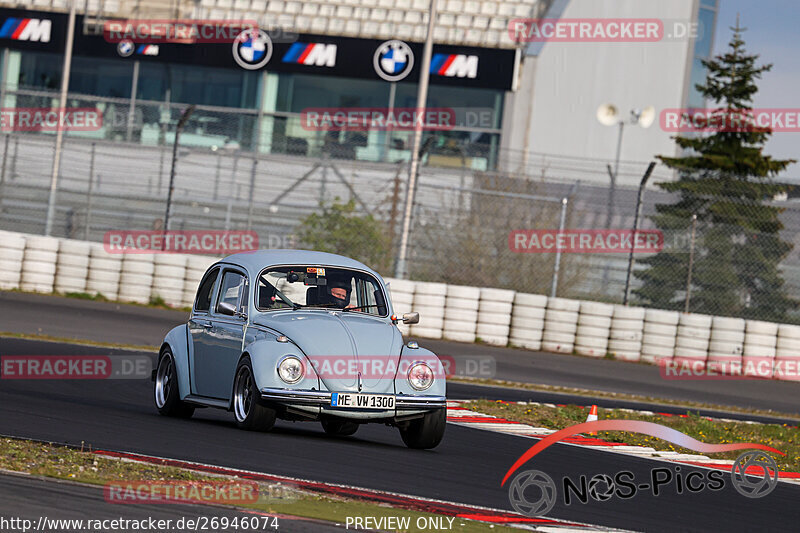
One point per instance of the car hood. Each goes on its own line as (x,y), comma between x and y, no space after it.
(342,344)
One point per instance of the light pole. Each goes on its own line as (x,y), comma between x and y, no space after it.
(608,115)
(62,103)
(422,97)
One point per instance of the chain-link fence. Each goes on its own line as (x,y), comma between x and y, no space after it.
(238,169)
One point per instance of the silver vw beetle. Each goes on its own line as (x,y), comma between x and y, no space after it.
(300,335)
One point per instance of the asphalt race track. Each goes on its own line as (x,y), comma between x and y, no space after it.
(466,468)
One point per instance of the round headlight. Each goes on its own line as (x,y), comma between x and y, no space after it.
(290,369)
(420,376)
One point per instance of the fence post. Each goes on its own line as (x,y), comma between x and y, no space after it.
(181,123)
(691,265)
(636,217)
(557,267)
(252,191)
(89,196)
(13,173)
(216,176)
(5,159)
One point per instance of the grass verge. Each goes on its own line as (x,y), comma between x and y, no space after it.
(60,462)
(782,437)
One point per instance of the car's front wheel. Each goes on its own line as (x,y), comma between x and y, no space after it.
(250,413)
(338,427)
(426,432)
(165,389)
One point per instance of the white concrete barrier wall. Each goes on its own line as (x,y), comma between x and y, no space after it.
(12,250)
(625,337)
(104,272)
(560,325)
(658,335)
(429,299)
(39,264)
(787,353)
(760,347)
(461,313)
(401,292)
(594,328)
(692,339)
(136,278)
(72,268)
(527,320)
(454,312)
(494,316)
(726,344)
(169,274)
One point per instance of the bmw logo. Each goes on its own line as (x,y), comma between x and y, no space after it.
(393,60)
(252,49)
(125,48)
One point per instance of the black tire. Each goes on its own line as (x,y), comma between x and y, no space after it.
(248,411)
(339,427)
(165,389)
(426,432)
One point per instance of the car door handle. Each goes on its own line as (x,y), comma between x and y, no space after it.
(206,325)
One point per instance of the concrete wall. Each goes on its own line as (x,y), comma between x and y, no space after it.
(572,79)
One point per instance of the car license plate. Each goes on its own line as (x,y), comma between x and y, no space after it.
(362,401)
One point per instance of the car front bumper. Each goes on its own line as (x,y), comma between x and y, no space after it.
(402,402)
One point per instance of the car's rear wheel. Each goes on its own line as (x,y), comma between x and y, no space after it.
(249,412)
(426,432)
(339,427)
(165,389)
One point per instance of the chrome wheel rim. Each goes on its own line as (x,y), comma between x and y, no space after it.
(163,381)
(243,395)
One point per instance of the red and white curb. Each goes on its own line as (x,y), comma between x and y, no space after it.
(460,415)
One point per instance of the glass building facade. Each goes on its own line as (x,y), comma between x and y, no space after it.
(703,46)
(141,99)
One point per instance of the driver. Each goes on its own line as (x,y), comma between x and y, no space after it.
(338,290)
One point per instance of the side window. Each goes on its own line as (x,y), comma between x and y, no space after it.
(203,300)
(231,288)
(370,297)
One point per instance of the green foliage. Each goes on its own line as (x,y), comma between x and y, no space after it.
(339,229)
(726,180)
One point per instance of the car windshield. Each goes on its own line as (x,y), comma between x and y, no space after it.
(303,286)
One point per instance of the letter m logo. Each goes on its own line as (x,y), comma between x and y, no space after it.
(454,65)
(322,55)
(23,29)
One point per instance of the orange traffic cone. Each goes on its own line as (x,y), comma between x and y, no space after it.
(592,416)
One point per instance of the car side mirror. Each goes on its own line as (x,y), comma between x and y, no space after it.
(410,318)
(226,309)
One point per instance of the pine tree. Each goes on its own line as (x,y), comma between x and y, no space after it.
(726,180)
